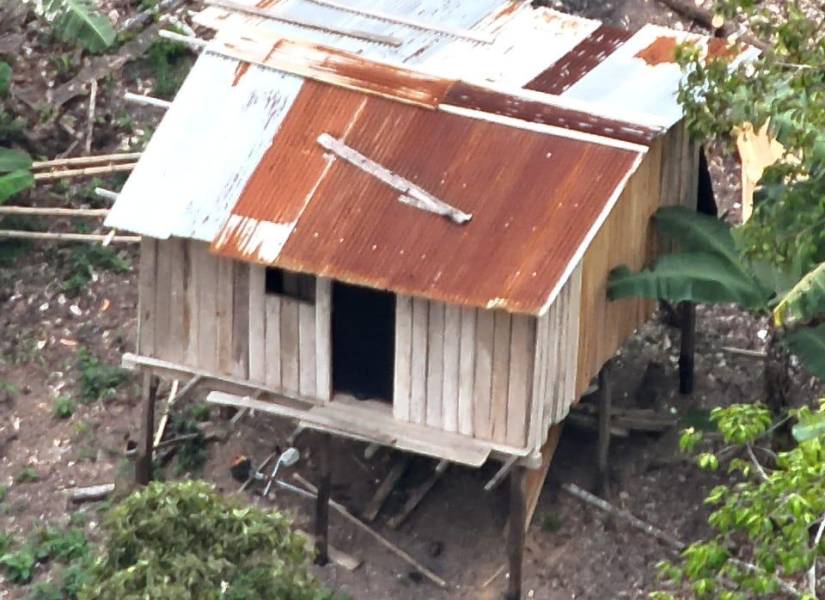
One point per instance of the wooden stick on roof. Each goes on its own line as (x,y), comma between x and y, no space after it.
(411,194)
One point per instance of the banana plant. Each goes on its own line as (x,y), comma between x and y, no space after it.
(79,22)
(709,268)
(15,165)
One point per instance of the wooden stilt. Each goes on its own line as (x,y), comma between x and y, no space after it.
(516,532)
(687,351)
(605,403)
(143,465)
(322,503)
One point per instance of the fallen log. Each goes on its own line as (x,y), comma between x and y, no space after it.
(92,493)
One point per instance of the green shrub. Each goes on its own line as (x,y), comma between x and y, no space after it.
(84,260)
(27,475)
(19,566)
(97,379)
(184,540)
(45,590)
(63,407)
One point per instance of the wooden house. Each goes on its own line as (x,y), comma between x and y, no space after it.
(396,225)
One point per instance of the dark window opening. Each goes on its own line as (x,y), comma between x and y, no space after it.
(292,285)
(363,342)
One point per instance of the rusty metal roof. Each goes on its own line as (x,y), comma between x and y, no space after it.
(532,210)
(533,131)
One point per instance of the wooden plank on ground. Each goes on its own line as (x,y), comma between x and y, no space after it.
(290,346)
(385,489)
(483,384)
(435,365)
(418,495)
(306,349)
(452,348)
(466,370)
(402,378)
(418,387)
(323,339)
(147,277)
(272,341)
(257,324)
(501,374)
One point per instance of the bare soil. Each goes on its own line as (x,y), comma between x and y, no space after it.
(573,551)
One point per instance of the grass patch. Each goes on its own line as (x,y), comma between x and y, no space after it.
(98,380)
(169,63)
(67,546)
(63,407)
(84,260)
(550,523)
(27,475)
(4,491)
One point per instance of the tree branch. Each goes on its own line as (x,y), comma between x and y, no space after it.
(759,468)
(812,570)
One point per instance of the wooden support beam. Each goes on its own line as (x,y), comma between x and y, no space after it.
(143,465)
(418,495)
(505,469)
(322,502)
(382,493)
(603,450)
(516,533)
(687,350)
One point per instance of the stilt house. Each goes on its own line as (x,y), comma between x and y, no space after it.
(393,220)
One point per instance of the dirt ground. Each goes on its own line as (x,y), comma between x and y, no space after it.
(573,551)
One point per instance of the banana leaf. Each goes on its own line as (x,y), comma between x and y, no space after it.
(808,343)
(690,276)
(14,183)
(812,428)
(12,160)
(79,21)
(804,302)
(696,232)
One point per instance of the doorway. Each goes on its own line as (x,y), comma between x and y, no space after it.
(363,342)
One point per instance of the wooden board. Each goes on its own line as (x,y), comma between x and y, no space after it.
(466,369)
(257,324)
(323,339)
(190,250)
(435,365)
(290,350)
(501,374)
(306,349)
(402,378)
(272,341)
(418,387)
(240,320)
(207,276)
(451,375)
(482,386)
(522,347)
(147,314)
(223,314)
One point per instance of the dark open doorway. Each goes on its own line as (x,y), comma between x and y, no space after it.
(363,341)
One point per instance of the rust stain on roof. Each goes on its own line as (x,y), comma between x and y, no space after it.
(719,48)
(662,50)
(240,71)
(534,198)
(574,65)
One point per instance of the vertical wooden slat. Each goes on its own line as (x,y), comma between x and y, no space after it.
(272,341)
(257,324)
(435,365)
(482,386)
(190,315)
(571,349)
(535,436)
(522,349)
(466,370)
(224,306)
(501,374)
(418,386)
(178,332)
(163,292)
(147,314)
(207,276)
(452,347)
(240,320)
(323,339)
(403,358)
(306,349)
(290,351)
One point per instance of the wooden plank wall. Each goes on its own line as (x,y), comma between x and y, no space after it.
(464,370)
(667,176)
(556,357)
(289,340)
(193,307)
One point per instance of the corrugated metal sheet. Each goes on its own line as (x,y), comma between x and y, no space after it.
(533,197)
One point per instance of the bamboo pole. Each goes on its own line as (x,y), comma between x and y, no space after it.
(83,172)
(53,212)
(86,160)
(146,100)
(13,234)
(106,194)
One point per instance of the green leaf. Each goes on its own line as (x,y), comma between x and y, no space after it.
(812,428)
(79,21)
(693,276)
(14,183)
(804,302)
(12,160)
(695,232)
(5,79)
(808,343)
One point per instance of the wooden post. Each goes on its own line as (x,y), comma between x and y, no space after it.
(322,503)
(143,465)
(687,311)
(516,531)
(605,403)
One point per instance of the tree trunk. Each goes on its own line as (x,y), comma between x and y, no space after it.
(777,374)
